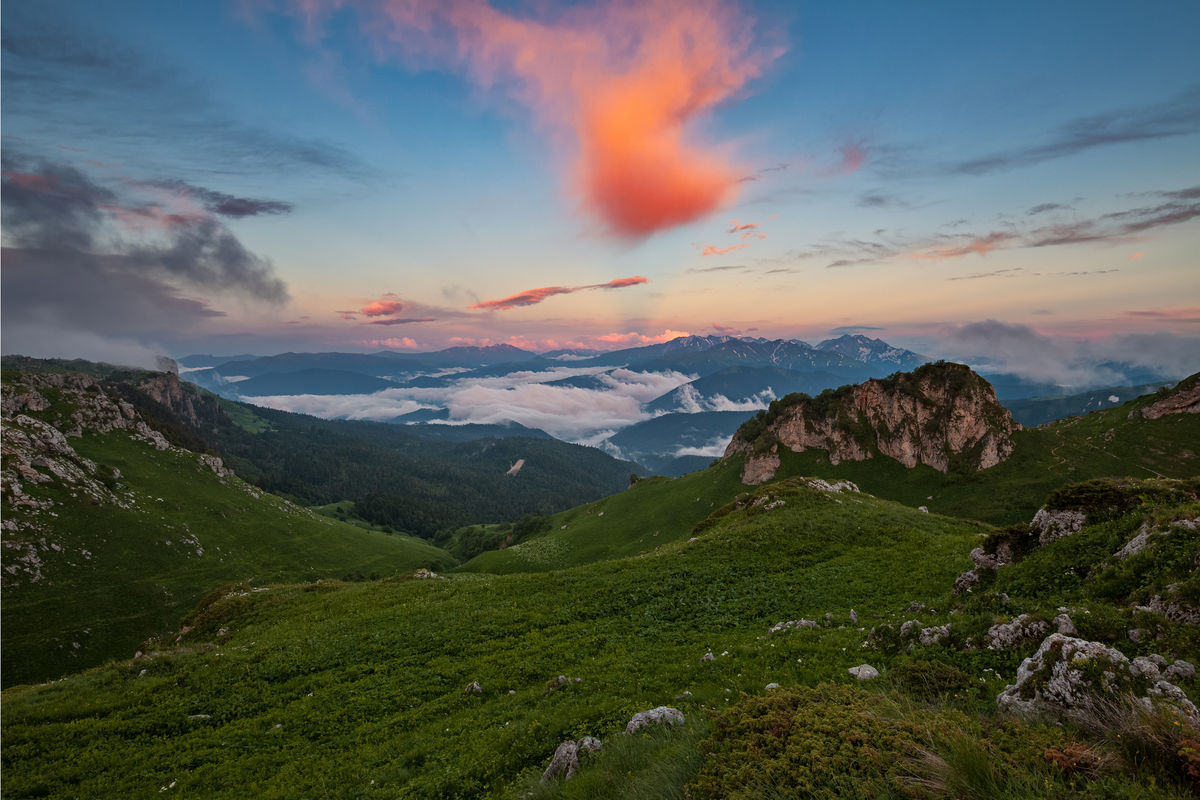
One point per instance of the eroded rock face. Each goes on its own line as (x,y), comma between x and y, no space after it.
(1066,674)
(1183,399)
(930,416)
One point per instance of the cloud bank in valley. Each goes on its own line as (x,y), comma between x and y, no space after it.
(623,83)
(995,346)
(572,413)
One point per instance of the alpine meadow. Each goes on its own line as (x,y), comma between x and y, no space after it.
(604,399)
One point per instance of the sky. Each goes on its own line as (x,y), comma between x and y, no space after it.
(1004,180)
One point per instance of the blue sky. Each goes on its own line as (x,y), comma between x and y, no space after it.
(913,169)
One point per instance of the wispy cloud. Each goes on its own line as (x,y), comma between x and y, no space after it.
(401,320)
(714,250)
(738,227)
(531,297)
(1177,116)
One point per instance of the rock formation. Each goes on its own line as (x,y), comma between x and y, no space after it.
(938,415)
(1183,399)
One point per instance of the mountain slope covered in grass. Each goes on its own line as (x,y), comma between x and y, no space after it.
(448,687)
(113,534)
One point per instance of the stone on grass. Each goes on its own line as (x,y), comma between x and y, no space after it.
(473,688)
(663,715)
(864,672)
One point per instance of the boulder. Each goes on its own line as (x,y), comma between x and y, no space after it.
(564,764)
(864,672)
(663,715)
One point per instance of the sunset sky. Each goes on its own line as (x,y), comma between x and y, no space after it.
(261,176)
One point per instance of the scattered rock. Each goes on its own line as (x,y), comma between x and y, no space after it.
(923,509)
(663,715)
(590,744)
(966,581)
(707,657)
(864,672)
(853,617)
(421,573)
(473,688)
(1180,670)
(1136,634)
(933,634)
(771,686)
(1062,624)
(1067,674)
(792,624)
(564,764)
(1005,635)
(554,684)
(1052,525)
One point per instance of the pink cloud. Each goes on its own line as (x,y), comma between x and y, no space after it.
(531,297)
(713,250)
(391,343)
(1136,256)
(382,308)
(622,82)
(853,157)
(745,226)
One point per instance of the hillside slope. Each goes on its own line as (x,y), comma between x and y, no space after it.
(450,687)
(111,532)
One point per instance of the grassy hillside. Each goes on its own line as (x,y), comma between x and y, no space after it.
(1112,442)
(643,518)
(358,690)
(92,580)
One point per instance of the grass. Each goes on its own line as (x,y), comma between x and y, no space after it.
(366,680)
(339,689)
(123,575)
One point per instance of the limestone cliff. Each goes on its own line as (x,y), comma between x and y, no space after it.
(1183,399)
(940,414)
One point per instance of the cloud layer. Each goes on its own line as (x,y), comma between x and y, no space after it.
(568,412)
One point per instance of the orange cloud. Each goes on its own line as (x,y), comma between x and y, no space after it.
(713,250)
(531,297)
(745,226)
(622,82)
(1136,256)
(382,308)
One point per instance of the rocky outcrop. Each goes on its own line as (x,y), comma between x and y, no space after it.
(1068,675)
(938,414)
(1183,399)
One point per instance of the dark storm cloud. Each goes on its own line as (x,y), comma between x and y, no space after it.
(72,271)
(1178,116)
